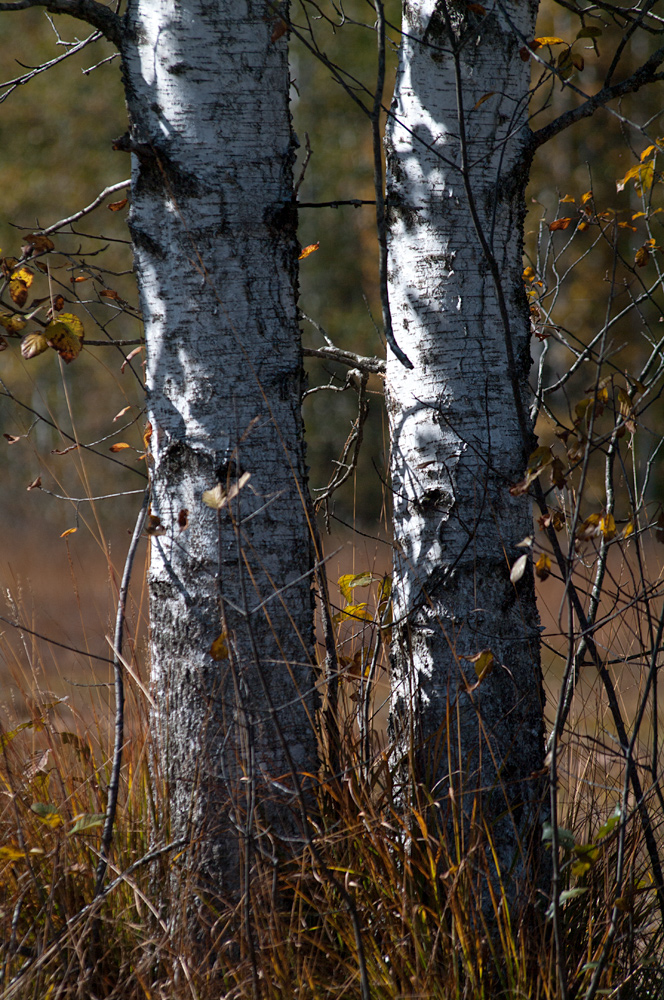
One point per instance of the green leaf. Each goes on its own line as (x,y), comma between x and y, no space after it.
(87,821)
(611,822)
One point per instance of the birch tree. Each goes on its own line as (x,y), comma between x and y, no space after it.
(215,249)
(467,685)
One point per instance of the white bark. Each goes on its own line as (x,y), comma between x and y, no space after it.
(216,259)
(457,440)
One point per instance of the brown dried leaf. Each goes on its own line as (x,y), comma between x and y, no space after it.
(559,224)
(35,484)
(33,344)
(116,206)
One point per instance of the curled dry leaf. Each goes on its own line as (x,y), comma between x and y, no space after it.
(132,354)
(519,568)
(35,484)
(69,531)
(154,527)
(280,29)
(38,243)
(33,344)
(119,446)
(559,224)
(116,206)
(11,438)
(183,519)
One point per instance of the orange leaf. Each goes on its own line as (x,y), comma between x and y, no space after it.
(69,531)
(120,446)
(559,224)
(116,206)
(307,250)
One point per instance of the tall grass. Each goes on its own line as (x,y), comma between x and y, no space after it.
(412,879)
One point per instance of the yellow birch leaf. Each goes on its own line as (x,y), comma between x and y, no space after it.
(219,649)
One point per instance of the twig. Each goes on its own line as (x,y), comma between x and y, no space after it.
(98,15)
(18,81)
(370,366)
(114,783)
(89,208)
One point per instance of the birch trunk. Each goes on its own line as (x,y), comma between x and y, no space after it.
(215,244)
(456,176)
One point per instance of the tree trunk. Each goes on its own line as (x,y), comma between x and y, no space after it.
(215,244)
(460,431)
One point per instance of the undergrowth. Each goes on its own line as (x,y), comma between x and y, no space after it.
(382,886)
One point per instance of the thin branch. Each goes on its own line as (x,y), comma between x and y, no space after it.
(644,75)
(114,783)
(89,208)
(370,366)
(355,202)
(110,24)
(18,81)
(53,642)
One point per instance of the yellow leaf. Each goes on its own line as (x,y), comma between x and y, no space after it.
(607,526)
(69,531)
(307,250)
(585,198)
(646,152)
(353,611)
(638,215)
(528,274)
(10,853)
(65,335)
(12,322)
(548,40)
(483,99)
(48,814)
(483,663)
(120,446)
(23,274)
(642,256)
(219,649)
(543,566)
(567,198)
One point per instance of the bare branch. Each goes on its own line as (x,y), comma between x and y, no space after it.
(89,208)
(371,366)
(644,75)
(97,14)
